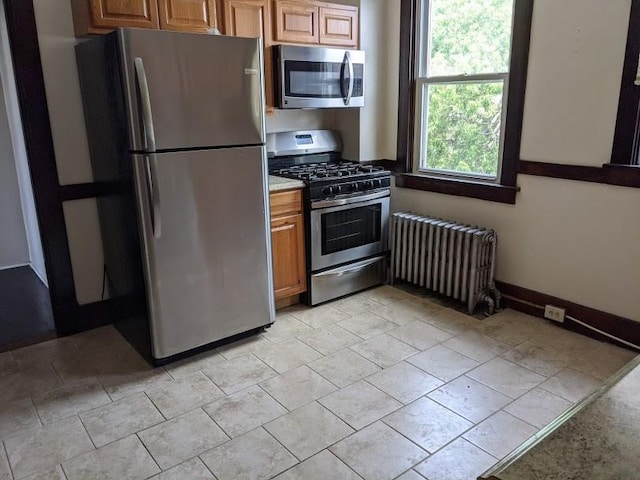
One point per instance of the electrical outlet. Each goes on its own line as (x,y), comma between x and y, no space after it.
(554,313)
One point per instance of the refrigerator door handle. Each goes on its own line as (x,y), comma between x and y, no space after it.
(151,168)
(145,105)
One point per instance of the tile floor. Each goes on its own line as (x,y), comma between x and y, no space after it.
(380,385)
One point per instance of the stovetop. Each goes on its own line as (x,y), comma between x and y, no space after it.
(316,172)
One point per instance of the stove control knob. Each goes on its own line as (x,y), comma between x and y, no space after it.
(326,191)
(377,183)
(368,185)
(353,186)
(337,189)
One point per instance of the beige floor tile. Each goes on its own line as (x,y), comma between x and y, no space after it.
(239,373)
(470,399)
(378,452)
(344,367)
(329,339)
(506,377)
(308,430)
(30,380)
(410,475)
(571,385)
(298,387)
(46,352)
(54,473)
(323,466)
(460,460)
(428,424)
(420,335)
(254,455)
(443,363)
(17,416)
(538,407)
(244,411)
(543,359)
(69,400)
(367,325)
(120,419)
(384,350)
(98,338)
(387,294)
(192,469)
(360,404)
(355,305)
(510,327)
(44,448)
(451,321)
(318,317)
(404,382)
(406,311)
(602,360)
(196,363)
(126,458)
(184,394)
(476,346)
(181,438)
(287,355)
(123,385)
(500,434)
(7,364)
(90,363)
(5,470)
(243,347)
(285,327)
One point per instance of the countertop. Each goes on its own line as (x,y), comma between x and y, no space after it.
(277,184)
(598,439)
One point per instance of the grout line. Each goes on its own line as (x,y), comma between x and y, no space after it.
(6,455)
(279,443)
(87,432)
(149,453)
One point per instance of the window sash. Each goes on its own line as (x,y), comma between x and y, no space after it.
(421,127)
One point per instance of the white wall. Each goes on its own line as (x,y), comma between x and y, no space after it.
(57,42)
(574,240)
(14,249)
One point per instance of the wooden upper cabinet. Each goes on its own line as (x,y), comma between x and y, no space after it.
(124,13)
(296,22)
(187,15)
(339,26)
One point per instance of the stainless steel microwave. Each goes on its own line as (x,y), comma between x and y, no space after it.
(316,77)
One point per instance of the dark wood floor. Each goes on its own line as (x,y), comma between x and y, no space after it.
(25,309)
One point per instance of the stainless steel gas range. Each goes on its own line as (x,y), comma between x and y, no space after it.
(346,212)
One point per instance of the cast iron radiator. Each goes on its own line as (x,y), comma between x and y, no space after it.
(449,258)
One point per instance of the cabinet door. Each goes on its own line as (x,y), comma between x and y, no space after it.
(296,22)
(124,13)
(287,243)
(187,15)
(252,18)
(339,26)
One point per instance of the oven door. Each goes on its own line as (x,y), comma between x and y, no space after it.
(348,229)
(312,77)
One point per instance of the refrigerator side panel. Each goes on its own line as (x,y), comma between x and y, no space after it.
(207,245)
(204,90)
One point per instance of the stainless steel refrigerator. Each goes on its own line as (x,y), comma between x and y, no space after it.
(176,131)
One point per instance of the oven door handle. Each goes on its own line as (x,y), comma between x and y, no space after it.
(353,269)
(348,201)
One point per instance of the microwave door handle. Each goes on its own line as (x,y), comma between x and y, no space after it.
(145,105)
(347,59)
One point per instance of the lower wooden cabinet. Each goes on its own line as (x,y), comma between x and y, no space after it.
(287,244)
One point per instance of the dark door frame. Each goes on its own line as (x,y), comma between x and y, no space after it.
(29,78)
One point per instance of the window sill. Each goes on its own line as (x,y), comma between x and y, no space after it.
(609,173)
(462,188)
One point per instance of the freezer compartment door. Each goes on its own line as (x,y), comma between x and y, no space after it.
(206,244)
(192,90)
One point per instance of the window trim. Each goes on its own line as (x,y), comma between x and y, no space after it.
(409,18)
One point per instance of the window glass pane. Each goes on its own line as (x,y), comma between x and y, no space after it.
(469,36)
(463,122)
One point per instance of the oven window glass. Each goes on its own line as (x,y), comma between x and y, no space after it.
(319,79)
(354,227)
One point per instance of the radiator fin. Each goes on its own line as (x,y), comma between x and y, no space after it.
(449,258)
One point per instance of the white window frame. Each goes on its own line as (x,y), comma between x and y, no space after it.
(423,80)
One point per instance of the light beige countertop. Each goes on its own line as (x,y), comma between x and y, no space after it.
(598,439)
(277,184)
